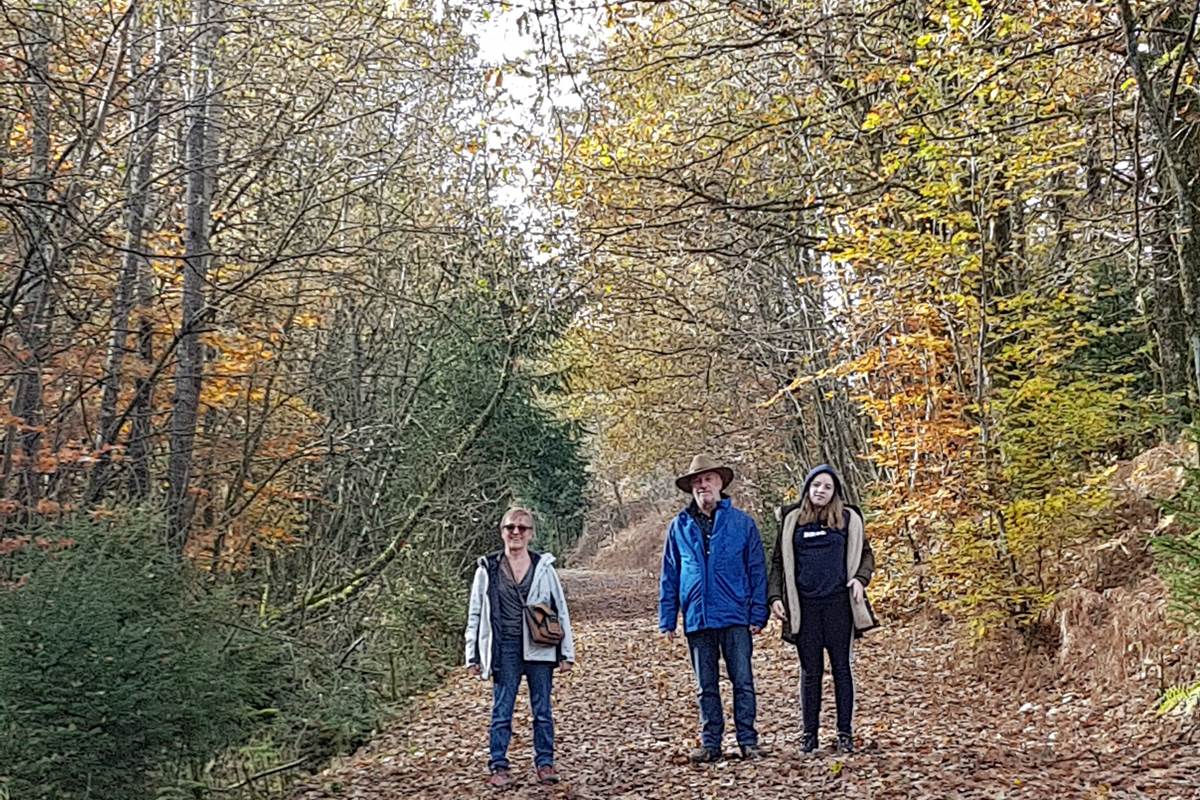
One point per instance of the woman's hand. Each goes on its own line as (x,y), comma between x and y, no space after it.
(778,611)
(473,669)
(565,666)
(856,589)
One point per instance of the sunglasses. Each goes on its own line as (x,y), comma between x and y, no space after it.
(510,527)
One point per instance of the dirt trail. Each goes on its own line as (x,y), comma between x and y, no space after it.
(626,717)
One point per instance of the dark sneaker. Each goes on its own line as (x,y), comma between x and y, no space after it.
(547,774)
(808,745)
(500,779)
(752,752)
(702,755)
(845,743)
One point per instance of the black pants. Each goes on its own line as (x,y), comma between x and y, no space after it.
(826,627)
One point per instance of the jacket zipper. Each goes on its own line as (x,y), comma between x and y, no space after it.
(704,548)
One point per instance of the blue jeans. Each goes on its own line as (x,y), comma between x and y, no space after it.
(706,648)
(506,676)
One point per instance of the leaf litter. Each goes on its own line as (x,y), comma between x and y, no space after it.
(927,724)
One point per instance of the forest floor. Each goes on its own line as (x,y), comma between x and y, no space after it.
(928,724)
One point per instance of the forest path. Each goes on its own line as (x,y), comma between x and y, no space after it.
(626,717)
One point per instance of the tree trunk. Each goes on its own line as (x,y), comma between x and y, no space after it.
(144,117)
(1179,146)
(199,168)
(29,301)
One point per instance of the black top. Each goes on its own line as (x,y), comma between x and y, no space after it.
(706,524)
(820,562)
(512,600)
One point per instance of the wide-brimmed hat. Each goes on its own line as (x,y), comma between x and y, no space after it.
(703,463)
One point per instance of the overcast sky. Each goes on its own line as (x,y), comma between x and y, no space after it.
(510,41)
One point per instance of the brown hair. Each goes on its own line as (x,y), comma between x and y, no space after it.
(833,515)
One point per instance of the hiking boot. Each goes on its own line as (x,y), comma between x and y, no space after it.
(500,779)
(808,744)
(752,752)
(547,774)
(845,743)
(702,755)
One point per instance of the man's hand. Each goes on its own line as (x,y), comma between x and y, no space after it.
(755,630)
(856,589)
(565,666)
(473,669)
(779,611)
(670,635)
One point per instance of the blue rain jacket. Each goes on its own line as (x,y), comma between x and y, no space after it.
(726,587)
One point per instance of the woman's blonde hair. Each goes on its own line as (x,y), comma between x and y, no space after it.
(833,515)
(519,511)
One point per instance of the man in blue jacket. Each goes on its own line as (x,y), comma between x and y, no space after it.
(714,571)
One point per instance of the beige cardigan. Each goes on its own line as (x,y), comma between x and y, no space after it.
(860,564)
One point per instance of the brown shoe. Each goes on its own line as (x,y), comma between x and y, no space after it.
(547,774)
(500,779)
(752,752)
(702,755)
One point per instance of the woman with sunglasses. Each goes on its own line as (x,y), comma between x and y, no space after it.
(500,646)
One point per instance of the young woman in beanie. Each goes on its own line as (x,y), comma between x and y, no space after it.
(820,568)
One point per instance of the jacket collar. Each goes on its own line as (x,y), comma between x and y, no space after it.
(725,503)
(491,561)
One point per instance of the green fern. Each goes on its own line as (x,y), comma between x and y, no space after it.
(1183,698)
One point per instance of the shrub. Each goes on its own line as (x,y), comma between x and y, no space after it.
(423,623)
(1177,557)
(113,665)
(1178,560)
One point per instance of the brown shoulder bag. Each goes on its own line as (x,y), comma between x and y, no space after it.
(544,627)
